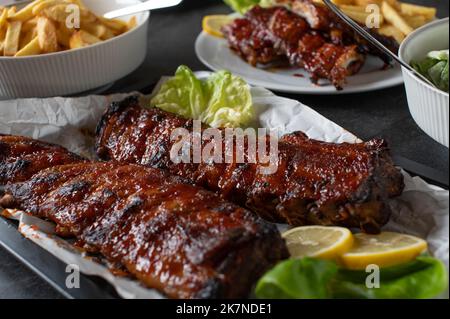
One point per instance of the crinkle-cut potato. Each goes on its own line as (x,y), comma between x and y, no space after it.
(46,26)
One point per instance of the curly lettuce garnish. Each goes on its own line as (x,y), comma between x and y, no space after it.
(221,100)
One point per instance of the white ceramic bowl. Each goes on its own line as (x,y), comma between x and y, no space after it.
(79,70)
(429,106)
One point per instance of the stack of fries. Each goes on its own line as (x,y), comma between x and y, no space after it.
(397,19)
(46,26)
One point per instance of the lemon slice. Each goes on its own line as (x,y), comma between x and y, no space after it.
(384,250)
(318,241)
(213,24)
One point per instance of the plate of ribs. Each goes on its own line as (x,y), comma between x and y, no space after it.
(305,49)
(205,230)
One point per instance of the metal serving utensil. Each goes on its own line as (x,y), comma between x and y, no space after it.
(140,7)
(366,35)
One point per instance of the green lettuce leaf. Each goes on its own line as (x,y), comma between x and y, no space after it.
(304,278)
(230,101)
(435,68)
(182,94)
(424,65)
(438,74)
(242,6)
(423,278)
(222,100)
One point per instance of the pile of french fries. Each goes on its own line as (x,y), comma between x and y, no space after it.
(42,27)
(397,19)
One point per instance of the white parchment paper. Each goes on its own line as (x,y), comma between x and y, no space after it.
(422,210)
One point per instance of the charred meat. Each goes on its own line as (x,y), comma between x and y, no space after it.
(277,34)
(177,238)
(309,36)
(316,182)
(22,157)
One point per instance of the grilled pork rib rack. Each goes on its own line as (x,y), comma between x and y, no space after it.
(177,238)
(316,182)
(311,38)
(21,158)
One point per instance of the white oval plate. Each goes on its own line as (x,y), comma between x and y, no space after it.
(215,53)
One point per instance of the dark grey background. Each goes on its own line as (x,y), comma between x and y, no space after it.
(172,34)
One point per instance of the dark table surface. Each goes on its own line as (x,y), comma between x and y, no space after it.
(171,43)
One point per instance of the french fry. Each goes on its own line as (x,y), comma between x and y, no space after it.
(12,11)
(37,9)
(414,10)
(365,3)
(46,32)
(393,17)
(88,16)
(2,40)
(32,48)
(3,18)
(98,30)
(132,23)
(27,37)
(26,13)
(80,3)
(64,34)
(82,39)
(353,8)
(12,38)
(43,23)
(415,21)
(341,2)
(115,24)
(56,13)
(360,16)
(391,31)
(29,24)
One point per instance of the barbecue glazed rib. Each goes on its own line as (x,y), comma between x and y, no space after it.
(177,238)
(22,157)
(316,182)
(271,35)
(310,36)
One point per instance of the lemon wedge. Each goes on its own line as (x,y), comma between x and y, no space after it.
(213,24)
(384,250)
(318,241)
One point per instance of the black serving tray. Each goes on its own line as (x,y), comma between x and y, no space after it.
(52,270)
